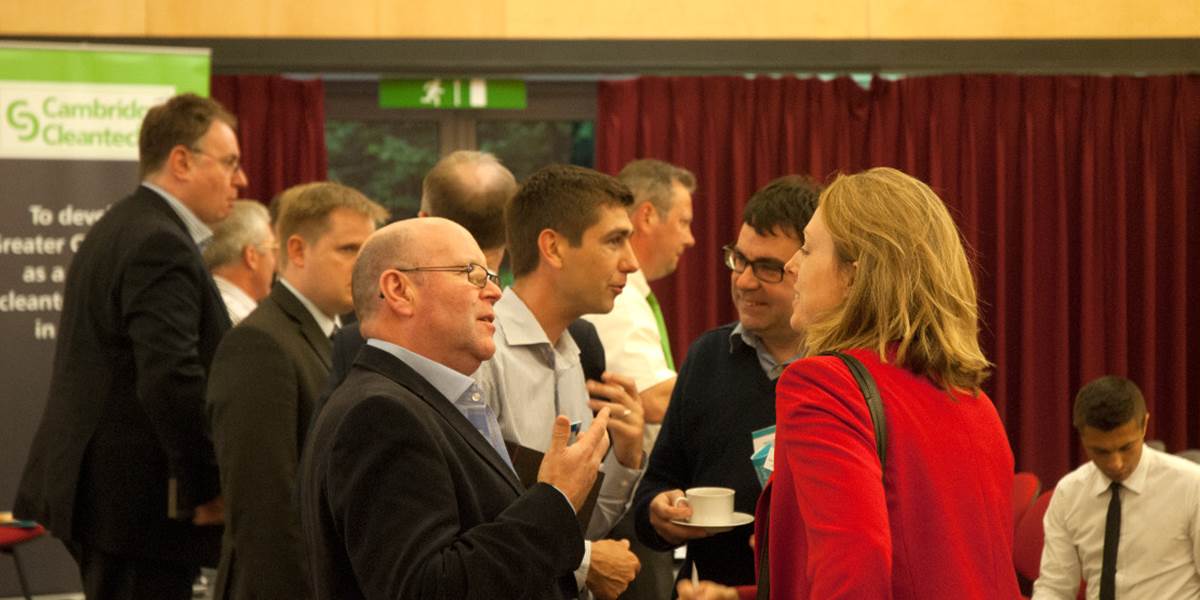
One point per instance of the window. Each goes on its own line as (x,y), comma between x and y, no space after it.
(386,152)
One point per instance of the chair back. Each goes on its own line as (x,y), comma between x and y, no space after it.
(1026,487)
(1029,537)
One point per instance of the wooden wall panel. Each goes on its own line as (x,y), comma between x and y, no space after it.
(73,17)
(263,18)
(612,19)
(1034,19)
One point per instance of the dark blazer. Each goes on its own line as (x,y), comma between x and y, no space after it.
(141,320)
(401,497)
(266,377)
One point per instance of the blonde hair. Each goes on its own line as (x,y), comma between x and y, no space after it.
(912,284)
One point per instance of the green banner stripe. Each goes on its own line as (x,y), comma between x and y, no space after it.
(188,72)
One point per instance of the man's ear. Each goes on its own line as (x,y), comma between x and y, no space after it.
(250,257)
(551,245)
(644,216)
(398,292)
(178,163)
(296,250)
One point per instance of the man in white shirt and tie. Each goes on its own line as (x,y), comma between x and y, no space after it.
(1128,521)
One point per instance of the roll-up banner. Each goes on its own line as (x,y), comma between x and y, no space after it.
(69,121)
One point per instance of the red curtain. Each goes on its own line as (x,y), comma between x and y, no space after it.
(1076,194)
(281,130)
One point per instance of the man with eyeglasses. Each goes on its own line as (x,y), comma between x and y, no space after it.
(121,468)
(406,489)
(266,377)
(242,257)
(726,390)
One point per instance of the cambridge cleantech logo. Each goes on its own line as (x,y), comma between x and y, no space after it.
(22,120)
(70,121)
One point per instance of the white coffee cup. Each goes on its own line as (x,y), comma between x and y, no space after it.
(710,505)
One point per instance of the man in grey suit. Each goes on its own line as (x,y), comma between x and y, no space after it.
(406,486)
(266,376)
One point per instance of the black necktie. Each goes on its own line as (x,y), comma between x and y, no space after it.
(1112,537)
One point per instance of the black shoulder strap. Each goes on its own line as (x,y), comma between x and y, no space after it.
(866,384)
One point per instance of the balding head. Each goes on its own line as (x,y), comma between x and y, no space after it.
(470,188)
(438,313)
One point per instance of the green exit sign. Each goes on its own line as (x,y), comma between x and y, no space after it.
(452,93)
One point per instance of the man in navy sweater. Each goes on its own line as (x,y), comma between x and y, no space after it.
(726,390)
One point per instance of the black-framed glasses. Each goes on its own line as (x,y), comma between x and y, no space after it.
(232,163)
(478,275)
(767,270)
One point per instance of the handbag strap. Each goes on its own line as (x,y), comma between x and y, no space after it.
(866,385)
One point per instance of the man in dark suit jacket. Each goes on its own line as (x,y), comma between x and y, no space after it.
(121,467)
(266,377)
(406,489)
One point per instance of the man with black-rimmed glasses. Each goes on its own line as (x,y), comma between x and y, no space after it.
(726,389)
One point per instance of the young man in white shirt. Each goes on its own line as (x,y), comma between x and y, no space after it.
(634,333)
(1128,521)
(568,240)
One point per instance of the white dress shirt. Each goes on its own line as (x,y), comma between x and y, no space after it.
(237,302)
(528,382)
(632,344)
(1158,556)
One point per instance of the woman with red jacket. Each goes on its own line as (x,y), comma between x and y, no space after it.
(883,276)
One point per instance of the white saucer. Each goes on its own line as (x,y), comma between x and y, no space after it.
(738,520)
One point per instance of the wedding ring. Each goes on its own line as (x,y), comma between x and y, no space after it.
(627,412)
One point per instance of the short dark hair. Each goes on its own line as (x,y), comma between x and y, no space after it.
(180,121)
(650,181)
(563,198)
(470,188)
(1108,403)
(783,206)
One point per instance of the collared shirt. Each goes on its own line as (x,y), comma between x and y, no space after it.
(327,324)
(460,389)
(1159,552)
(199,232)
(766,360)
(237,302)
(528,382)
(632,344)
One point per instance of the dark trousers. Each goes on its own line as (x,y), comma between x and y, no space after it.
(114,577)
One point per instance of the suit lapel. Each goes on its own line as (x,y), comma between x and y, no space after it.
(377,360)
(309,330)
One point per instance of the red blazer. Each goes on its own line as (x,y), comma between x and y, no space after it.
(937,524)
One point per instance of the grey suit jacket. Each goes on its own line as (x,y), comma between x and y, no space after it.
(266,377)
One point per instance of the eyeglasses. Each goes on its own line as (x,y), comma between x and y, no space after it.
(477,275)
(232,163)
(767,270)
